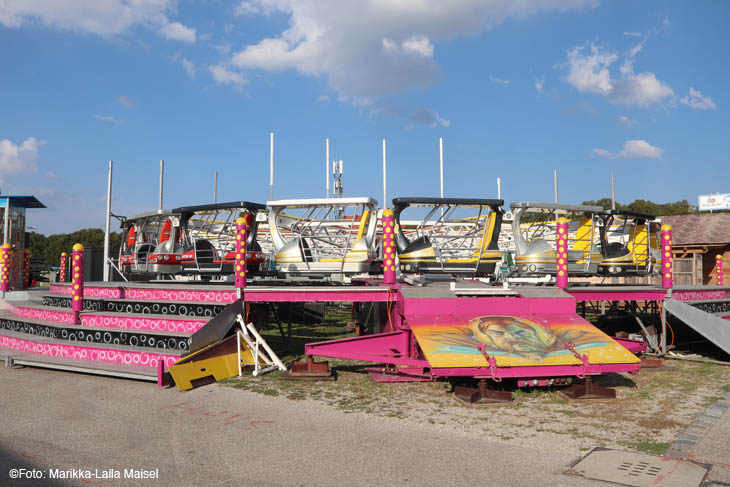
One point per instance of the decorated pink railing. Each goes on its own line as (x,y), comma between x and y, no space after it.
(126,357)
(147,294)
(42,314)
(180,295)
(140,323)
(89,291)
(701,295)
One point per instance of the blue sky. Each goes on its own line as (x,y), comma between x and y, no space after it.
(515,88)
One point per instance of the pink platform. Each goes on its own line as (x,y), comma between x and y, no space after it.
(485,337)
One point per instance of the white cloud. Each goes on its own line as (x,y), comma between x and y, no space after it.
(189,66)
(177,32)
(498,81)
(251,8)
(698,101)
(125,101)
(109,119)
(377,48)
(633,149)
(225,76)
(642,89)
(589,72)
(105,18)
(418,45)
(19,159)
(323,99)
(626,121)
(429,118)
(632,34)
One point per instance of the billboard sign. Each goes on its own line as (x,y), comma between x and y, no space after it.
(714,201)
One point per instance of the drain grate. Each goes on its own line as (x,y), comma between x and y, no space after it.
(639,469)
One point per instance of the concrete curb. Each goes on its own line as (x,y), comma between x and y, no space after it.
(704,421)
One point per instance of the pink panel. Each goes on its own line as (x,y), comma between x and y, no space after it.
(701,295)
(537,371)
(180,295)
(103,292)
(140,323)
(477,306)
(89,291)
(352,294)
(126,357)
(43,314)
(61,289)
(656,294)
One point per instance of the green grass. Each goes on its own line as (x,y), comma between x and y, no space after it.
(725,388)
(647,446)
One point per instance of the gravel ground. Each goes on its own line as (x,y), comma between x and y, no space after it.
(349,432)
(650,409)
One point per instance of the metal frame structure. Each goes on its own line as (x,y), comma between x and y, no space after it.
(443,242)
(142,251)
(209,237)
(329,237)
(629,243)
(534,233)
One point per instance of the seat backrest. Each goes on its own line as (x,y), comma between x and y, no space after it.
(583,236)
(489,239)
(640,241)
(165,231)
(131,236)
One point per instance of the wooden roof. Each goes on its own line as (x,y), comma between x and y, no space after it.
(699,229)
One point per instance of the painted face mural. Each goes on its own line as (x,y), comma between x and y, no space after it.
(513,335)
(514,340)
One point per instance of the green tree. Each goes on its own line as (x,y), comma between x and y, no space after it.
(50,248)
(645,206)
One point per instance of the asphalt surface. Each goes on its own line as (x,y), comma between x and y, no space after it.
(53,422)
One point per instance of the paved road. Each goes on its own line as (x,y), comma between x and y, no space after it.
(219,436)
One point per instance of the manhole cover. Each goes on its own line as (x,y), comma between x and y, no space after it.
(640,469)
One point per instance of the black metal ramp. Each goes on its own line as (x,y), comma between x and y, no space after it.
(217,328)
(712,327)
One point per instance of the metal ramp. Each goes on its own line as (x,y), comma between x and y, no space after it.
(711,326)
(216,354)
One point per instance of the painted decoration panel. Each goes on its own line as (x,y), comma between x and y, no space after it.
(513,341)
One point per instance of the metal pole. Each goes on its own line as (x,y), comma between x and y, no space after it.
(327,168)
(215,187)
(613,193)
(499,188)
(108,217)
(162,180)
(271,168)
(441,158)
(555,176)
(385,198)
